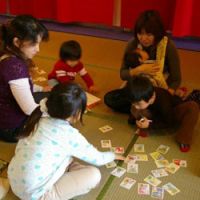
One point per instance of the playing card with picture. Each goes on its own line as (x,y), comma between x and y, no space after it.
(157,156)
(171,189)
(172,168)
(181,163)
(157,192)
(159,173)
(141,157)
(106,144)
(139,148)
(130,158)
(163,149)
(105,128)
(127,183)
(118,172)
(111,164)
(161,163)
(132,168)
(152,180)
(118,150)
(143,189)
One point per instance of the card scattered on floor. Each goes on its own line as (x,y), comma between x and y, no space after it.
(143,189)
(157,192)
(92,100)
(105,128)
(106,144)
(171,189)
(162,149)
(152,180)
(127,183)
(111,164)
(117,150)
(118,172)
(139,148)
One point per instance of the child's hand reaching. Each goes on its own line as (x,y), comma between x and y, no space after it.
(143,122)
(119,157)
(93,89)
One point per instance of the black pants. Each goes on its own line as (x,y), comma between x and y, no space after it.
(10,135)
(118,100)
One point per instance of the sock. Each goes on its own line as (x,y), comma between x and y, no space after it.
(184,147)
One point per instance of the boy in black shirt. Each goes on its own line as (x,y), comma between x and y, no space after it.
(159,109)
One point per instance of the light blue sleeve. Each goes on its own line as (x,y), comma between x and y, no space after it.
(82,149)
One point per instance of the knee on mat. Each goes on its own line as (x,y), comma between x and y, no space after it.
(95,175)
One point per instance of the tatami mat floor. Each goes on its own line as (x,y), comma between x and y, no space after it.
(102,58)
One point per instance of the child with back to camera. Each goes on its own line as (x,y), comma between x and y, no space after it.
(159,109)
(43,166)
(69,65)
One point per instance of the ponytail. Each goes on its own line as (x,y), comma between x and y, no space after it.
(31,123)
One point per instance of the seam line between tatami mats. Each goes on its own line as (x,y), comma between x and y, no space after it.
(120,163)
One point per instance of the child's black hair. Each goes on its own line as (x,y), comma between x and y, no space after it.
(131,58)
(64,101)
(139,88)
(70,50)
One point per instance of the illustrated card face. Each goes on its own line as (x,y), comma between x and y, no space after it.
(152,180)
(143,189)
(181,163)
(172,168)
(118,172)
(157,156)
(159,173)
(132,168)
(111,164)
(139,148)
(171,189)
(105,128)
(131,158)
(157,192)
(141,157)
(127,183)
(106,144)
(118,150)
(161,163)
(163,149)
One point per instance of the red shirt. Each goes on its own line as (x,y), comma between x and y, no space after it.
(64,73)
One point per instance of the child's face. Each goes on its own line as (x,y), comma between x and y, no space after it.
(28,48)
(141,105)
(72,63)
(145,39)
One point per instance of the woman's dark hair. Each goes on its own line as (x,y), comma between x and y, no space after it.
(139,88)
(151,22)
(131,58)
(23,27)
(70,50)
(64,101)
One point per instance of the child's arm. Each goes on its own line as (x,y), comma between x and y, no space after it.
(85,151)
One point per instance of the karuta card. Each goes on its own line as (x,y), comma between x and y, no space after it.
(171,189)
(139,148)
(181,163)
(111,164)
(127,183)
(163,149)
(157,156)
(157,192)
(118,172)
(172,168)
(152,180)
(106,144)
(118,150)
(132,168)
(105,128)
(161,163)
(159,173)
(141,157)
(143,189)
(130,158)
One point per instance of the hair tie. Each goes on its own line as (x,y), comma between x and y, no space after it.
(43,107)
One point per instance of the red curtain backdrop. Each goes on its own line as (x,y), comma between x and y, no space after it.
(3,6)
(132,8)
(186,19)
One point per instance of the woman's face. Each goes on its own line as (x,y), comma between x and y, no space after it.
(145,39)
(30,49)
